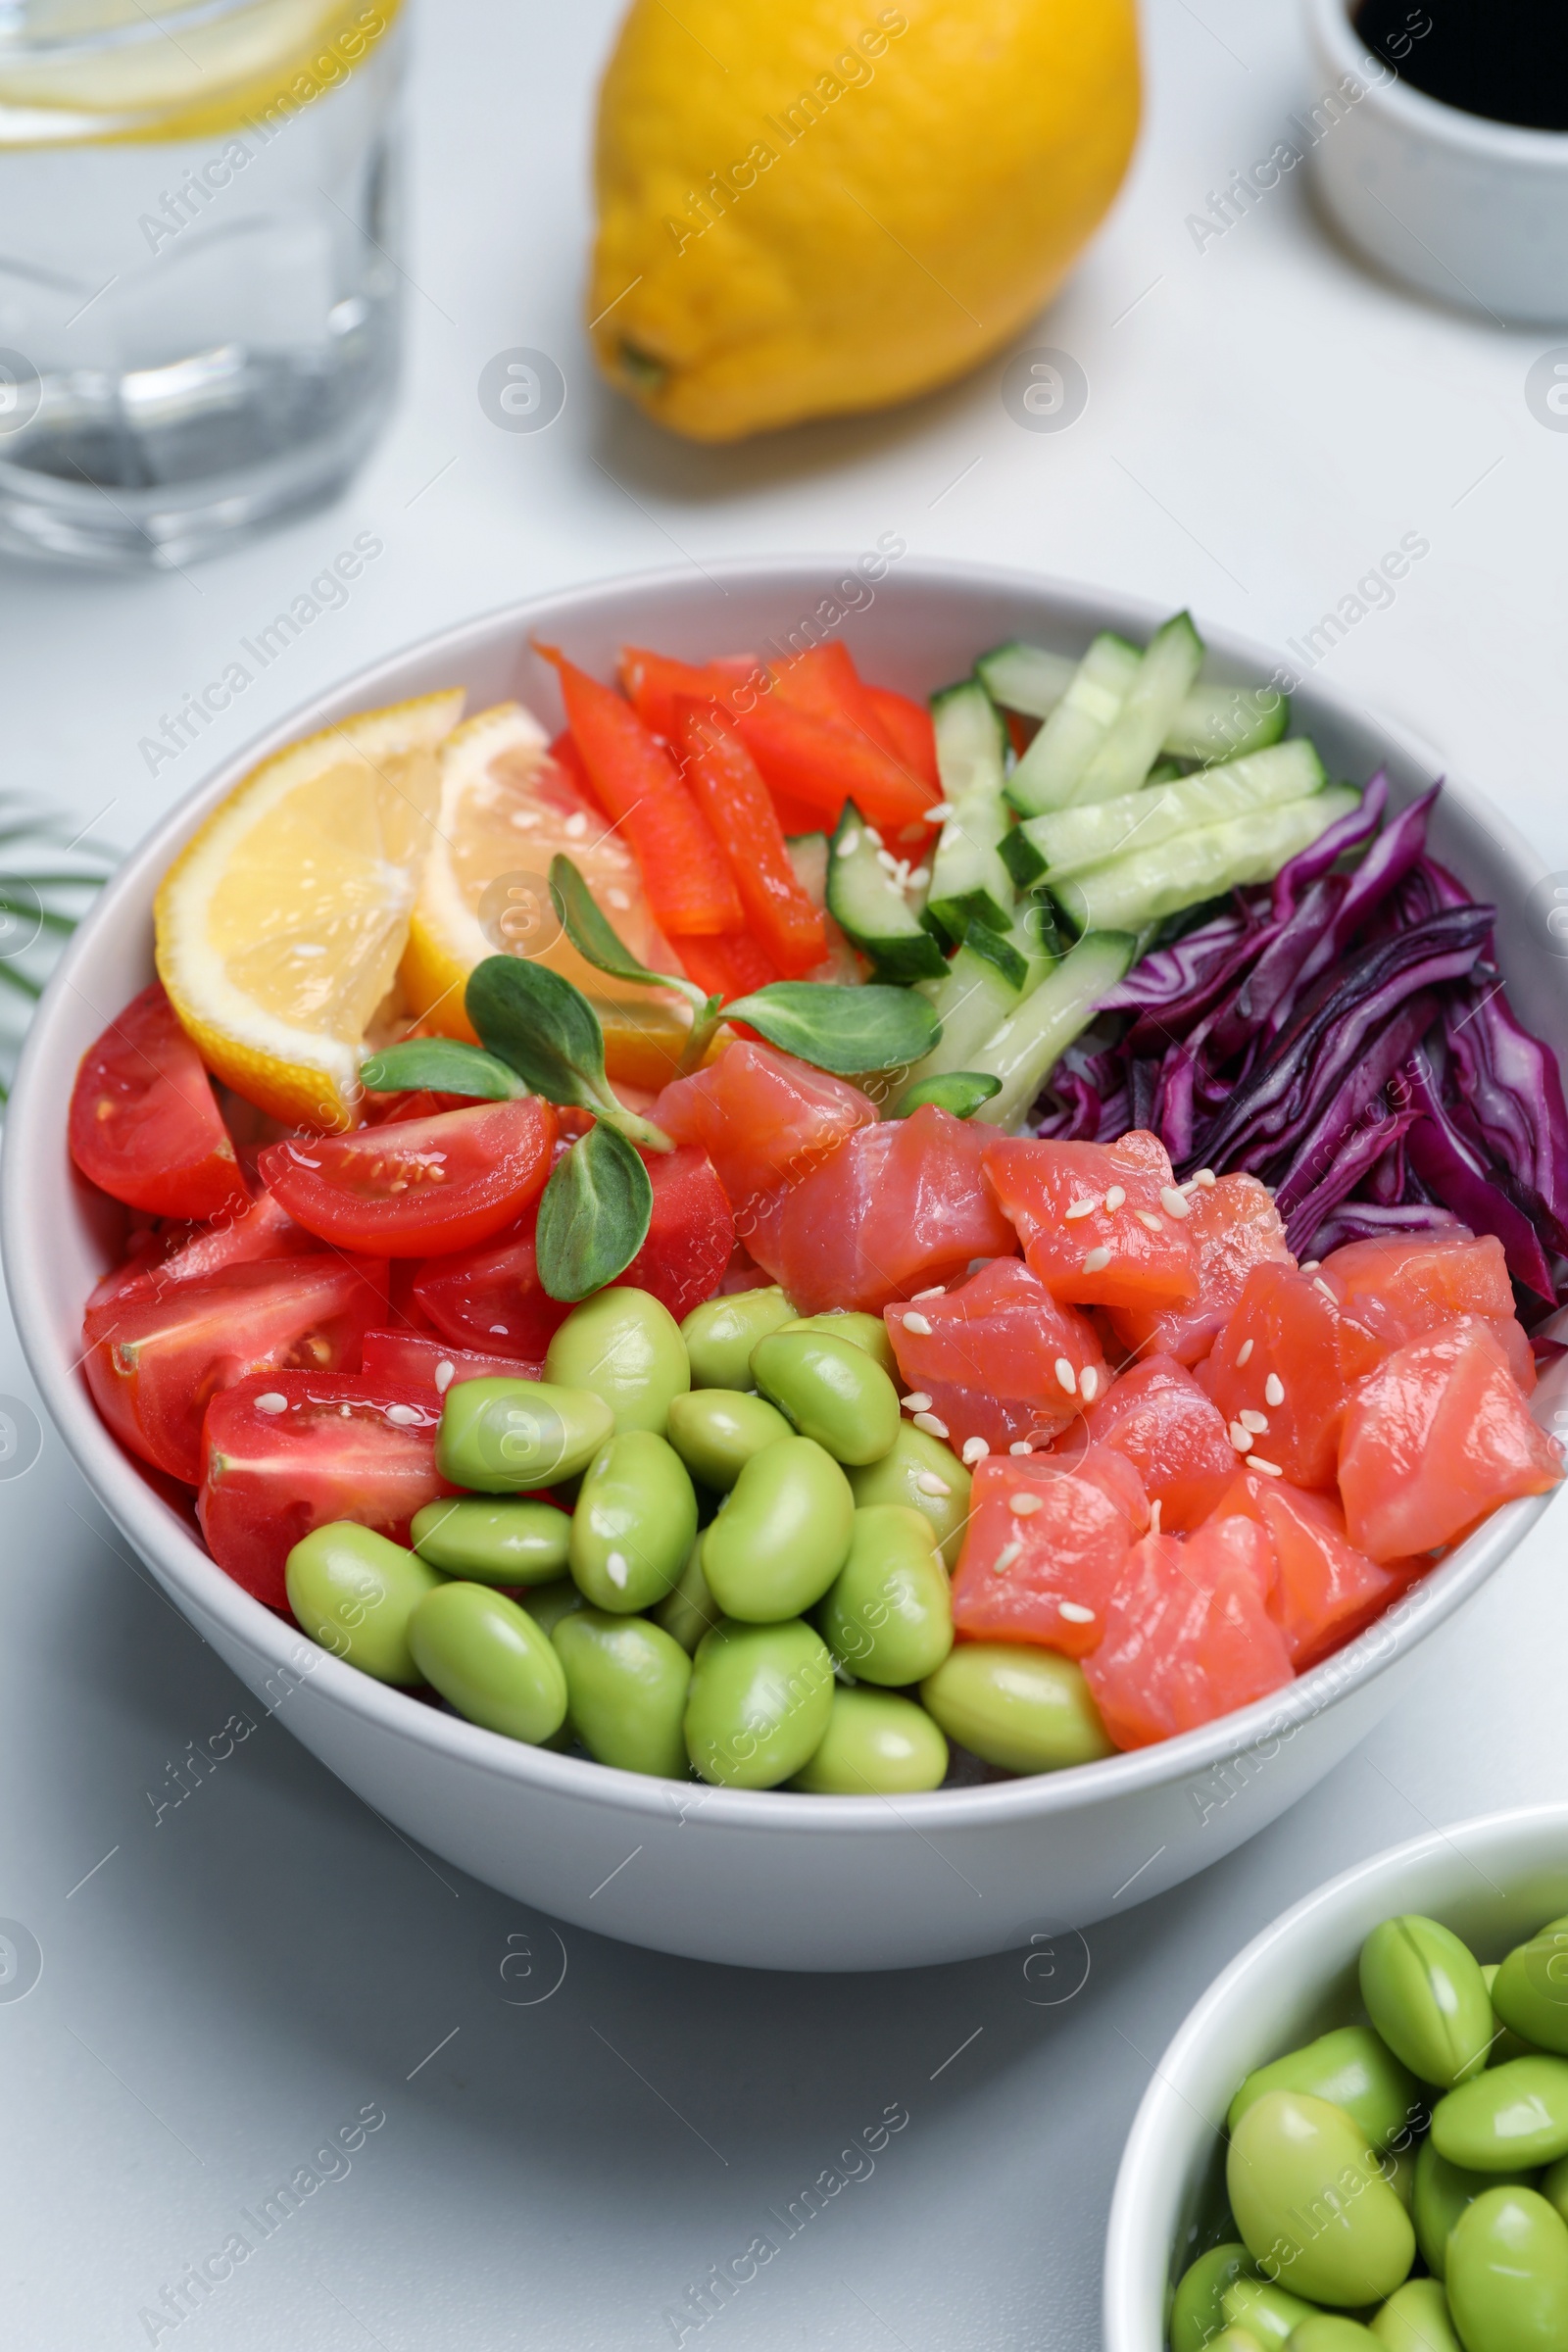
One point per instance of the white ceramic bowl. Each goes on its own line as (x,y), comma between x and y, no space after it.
(1493,1881)
(766,1879)
(1471,211)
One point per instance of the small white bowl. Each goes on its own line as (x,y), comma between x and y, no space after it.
(766,1879)
(1471,211)
(1493,1881)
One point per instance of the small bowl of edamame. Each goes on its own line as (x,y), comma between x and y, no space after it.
(1357,2138)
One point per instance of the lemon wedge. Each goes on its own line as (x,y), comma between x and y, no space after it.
(280,925)
(507,808)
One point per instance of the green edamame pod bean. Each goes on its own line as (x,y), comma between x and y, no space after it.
(1505,2043)
(1507,2281)
(1552,2184)
(1306,2196)
(1398,2168)
(634,1524)
(759,1703)
(1508,2119)
(1236,2339)
(505,1542)
(865,1330)
(1329,2331)
(490,1659)
(875,1745)
(1264,2310)
(625,1347)
(689,1610)
(782,1537)
(1427,1998)
(354,1591)
(717,1431)
(1353,2069)
(888,1614)
(626,1684)
(1198,2306)
(1442,2190)
(1530,1993)
(921,1471)
(721,1333)
(501,1435)
(547,1604)
(1023,1708)
(829,1390)
(1415,2319)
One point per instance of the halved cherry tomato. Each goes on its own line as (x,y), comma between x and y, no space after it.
(653,683)
(1172,1434)
(724,781)
(1324,1590)
(764,1120)
(144,1122)
(990,1354)
(420,1185)
(906,724)
(823,767)
(903,1206)
(288,1451)
(1439,1436)
(1045,1543)
(1233,1226)
(1290,1357)
(1096,1220)
(154,1362)
(691,1234)
(197,1253)
(412,1359)
(1188,1637)
(492,1298)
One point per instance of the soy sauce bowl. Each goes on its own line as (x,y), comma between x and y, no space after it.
(1470,211)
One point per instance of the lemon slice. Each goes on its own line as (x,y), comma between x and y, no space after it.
(507,807)
(281,924)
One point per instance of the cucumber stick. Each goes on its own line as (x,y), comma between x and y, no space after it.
(1048,774)
(1131,745)
(1026,678)
(869,906)
(1213,722)
(1023,1051)
(968,879)
(1150,884)
(971,1001)
(1071,839)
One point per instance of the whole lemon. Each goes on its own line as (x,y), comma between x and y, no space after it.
(813,206)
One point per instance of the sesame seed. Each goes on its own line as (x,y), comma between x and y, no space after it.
(919,1324)
(1257,1423)
(1088,1384)
(1154,1516)
(445,1374)
(620,900)
(887,861)
(848,844)
(1082,1208)
(405,1415)
(1241,1439)
(1023,1506)
(1269,1469)
(1310,1266)
(272,1403)
(1005,1557)
(576,826)
(1075,1612)
(1115,1197)
(1245,1351)
(927,1483)
(1020,1445)
(873,836)
(1150,1217)
(498,1329)
(939,812)
(931,1424)
(1066,1378)
(1173,1203)
(975,1450)
(1206,1177)
(938,1290)
(916,1402)
(1273,1390)
(616,1570)
(1318,1284)
(920,879)
(1095,1261)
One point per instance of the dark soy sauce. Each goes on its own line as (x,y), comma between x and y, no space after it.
(1505,59)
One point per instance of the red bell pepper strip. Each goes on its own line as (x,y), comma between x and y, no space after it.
(724,782)
(908,727)
(730,966)
(806,760)
(825,681)
(653,681)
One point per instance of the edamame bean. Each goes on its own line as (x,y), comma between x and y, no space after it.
(888,1614)
(1442,2190)
(1353,2069)
(1553,2186)
(1023,1708)
(634,1524)
(354,1591)
(1306,2196)
(1530,1993)
(865,1330)
(761,1700)
(626,1684)
(921,1471)
(1505,2043)
(1236,2339)
(782,1537)
(1507,2281)
(1264,2310)
(501,1435)
(1427,1998)
(717,1431)
(1196,2311)
(829,1390)
(625,1347)
(491,1660)
(494,1542)
(1510,2118)
(1415,2319)
(689,1610)
(721,1333)
(1328,2331)
(547,1604)
(875,1745)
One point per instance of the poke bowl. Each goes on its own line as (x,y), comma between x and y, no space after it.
(976,1857)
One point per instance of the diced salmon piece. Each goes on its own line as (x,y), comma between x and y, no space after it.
(1045,1547)
(1233,1226)
(1187,1636)
(1324,1590)
(1421,1280)
(999,1358)
(1171,1433)
(1285,1366)
(764,1120)
(1102,1224)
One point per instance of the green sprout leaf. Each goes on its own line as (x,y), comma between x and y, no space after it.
(960,1091)
(598,942)
(445,1066)
(845,1030)
(542,1027)
(593,1216)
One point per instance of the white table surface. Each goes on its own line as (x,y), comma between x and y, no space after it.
(241,1974)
